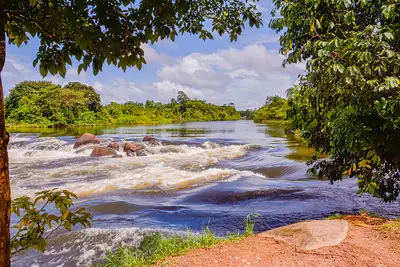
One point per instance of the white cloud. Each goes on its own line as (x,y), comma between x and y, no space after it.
(120,91)
(98,86)
(245,76)
(11,67)
(152,56)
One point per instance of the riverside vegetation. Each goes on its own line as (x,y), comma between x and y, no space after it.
(275,109)
(156,247)
(44,104)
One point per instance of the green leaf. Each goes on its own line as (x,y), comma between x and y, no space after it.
(43,70)
(67,225)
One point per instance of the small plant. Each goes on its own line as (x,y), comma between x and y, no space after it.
(235,236)
(36,225)
(250,221)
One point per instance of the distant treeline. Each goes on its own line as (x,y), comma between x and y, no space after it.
(275,109)
(45,104)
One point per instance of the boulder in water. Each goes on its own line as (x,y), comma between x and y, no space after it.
(85,139)
(133,147)
(113,145)
(133,150)
(103,151)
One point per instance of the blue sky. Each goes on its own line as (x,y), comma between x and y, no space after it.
(244,72)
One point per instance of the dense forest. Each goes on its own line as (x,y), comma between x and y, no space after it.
(274,109)
(44,104)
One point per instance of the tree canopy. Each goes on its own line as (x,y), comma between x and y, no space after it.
(348,103)
(95,32)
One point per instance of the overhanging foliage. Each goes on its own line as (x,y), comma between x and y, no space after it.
(348,104)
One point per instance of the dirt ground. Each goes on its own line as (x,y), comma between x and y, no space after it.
(368,243)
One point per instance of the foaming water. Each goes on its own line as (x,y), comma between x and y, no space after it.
(207,174)
(45,163)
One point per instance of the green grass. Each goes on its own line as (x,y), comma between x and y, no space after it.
(392,226)
(156,247)
(336,216)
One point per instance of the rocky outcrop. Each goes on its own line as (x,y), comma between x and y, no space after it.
(86,139)
(113,145)
(103,151)
(311,235)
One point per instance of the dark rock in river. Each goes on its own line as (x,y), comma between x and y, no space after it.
(130,153)
(148,138)
(113,145)
(117,156)
(103,151)
(166,143)
(85,139)
(133,147)
(139,153)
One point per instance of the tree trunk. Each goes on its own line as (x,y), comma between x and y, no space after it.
(5,191)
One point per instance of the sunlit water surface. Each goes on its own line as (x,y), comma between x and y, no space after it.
(213,174)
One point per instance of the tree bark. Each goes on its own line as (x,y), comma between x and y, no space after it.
(5,191)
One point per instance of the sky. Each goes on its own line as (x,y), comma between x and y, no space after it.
(218,71)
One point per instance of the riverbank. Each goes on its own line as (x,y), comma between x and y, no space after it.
(370,241)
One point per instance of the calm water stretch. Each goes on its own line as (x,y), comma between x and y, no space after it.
(213,174)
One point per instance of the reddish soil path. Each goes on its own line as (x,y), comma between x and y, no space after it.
(366,244)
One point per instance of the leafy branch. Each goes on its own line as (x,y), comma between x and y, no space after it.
(36,225)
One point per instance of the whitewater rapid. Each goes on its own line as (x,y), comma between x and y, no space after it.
(45,163)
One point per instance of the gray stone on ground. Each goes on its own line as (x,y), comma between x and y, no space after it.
(310,235)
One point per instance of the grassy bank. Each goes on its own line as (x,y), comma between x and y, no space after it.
(157,246)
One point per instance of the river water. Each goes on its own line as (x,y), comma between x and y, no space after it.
(213,174)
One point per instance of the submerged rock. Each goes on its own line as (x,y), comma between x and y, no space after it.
(103,151)
(117,156)
(166,143)
(139,153)
(148,138)
(113,145)
(130,153)
(85,139)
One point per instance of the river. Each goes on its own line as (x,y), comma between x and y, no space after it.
(213,174)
